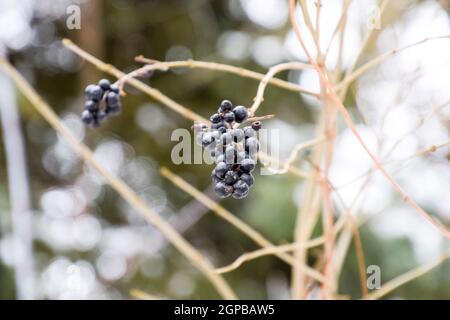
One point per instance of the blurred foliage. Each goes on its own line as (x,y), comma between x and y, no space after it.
(152,28)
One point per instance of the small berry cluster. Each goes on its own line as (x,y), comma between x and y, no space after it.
(103,99)
(233,149)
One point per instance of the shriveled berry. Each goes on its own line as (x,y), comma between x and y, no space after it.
(230,154)
(249,132)
(221,169)
(240,156)
(251,145)
(104,84)
(248,179)
(90,105)
(87,117)
(240,113)
(223,190)
(216,126)
(222,130)
(238,135)
(229,117)
(247,165)
(226,106)
(207,139)
(214,177)
(231,177)
(241,187)
(256,125)
(226,138)
(216,118)
(96,93)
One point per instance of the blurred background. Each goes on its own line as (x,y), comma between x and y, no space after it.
(79,240)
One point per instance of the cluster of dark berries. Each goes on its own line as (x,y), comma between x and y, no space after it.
(103,99)
(233,149)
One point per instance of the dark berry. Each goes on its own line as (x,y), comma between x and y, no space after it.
(256,125)
(221,169)
(88,91)
(240,156)
(248,179)
(247,165)
(241,187)
(252,145)
(223,190)
(101,115)
(112,98)
(222,130)
(90,105)
(114,88)
(104,84)
(240,113)
(96,93)
(216,126)
(87,117)
(238,135)
(226,106)
(207,139)
(249,132)
(231,177)
(230,154)
(216,118)
(229,117)
(226,138)
(214,177)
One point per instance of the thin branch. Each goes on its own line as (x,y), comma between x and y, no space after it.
(294,154)
(405,278)
(269,75)
(195,64)
(249,256)
(333,98)
(118,185)
(376,61)
(155,94)
(232,219)
(141,295)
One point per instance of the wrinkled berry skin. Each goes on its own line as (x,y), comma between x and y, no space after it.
(231,177)
(223,190)
(256,125)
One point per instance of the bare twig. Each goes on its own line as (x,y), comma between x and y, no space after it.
(195,64)
(334,99)
(19,191)
(118,185)
(232,219)
(405,278)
